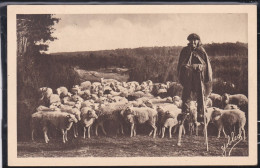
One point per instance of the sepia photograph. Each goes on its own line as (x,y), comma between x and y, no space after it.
(132,85)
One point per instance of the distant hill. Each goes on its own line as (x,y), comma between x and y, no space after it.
(213,49)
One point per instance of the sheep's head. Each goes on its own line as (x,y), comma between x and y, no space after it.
(160,109)
(169,114)
(92,114)
(58,91)
(71,119)
(169,100)
(77,113)
(216,114)
(225,98)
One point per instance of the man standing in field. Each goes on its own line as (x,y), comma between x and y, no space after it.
(195,74)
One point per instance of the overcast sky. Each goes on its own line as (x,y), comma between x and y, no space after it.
(106,31)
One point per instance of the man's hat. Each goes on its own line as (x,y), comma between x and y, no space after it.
(193,36)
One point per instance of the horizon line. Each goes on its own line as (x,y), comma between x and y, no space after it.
(139,47)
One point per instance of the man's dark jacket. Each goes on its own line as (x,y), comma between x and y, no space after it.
(201,54)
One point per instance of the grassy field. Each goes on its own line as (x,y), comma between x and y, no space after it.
(123,146)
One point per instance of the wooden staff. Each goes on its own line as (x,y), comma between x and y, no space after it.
(204,113)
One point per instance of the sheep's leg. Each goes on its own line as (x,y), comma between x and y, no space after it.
(96,129)
(224,132)
(122,129)
(63,136)
(132,130)
(219,130)
(89,131)
(170,132)
(197,129)
(45,135)
(84,132)
(32,134)
(151,132)
(190,128)
(184,131)
(175,129)
(77,133)
(163,131)
(244,132)
(181,128)
(66,135)
(155,129)
(74,130)
(159,129)
(102,128)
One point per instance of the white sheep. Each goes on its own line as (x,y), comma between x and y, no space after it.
(62,91)
(228,118)
(76,112)
(85,85)
(110,112)
(60,120)
(135,115)
(88,116)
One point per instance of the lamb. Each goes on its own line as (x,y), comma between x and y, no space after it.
(166,111)
(88,116)
(216,100)
(191,109)
(134,115)
(60,120)
(228,118)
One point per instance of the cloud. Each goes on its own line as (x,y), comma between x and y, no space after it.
(99,32)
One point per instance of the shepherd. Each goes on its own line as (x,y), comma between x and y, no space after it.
(195,75)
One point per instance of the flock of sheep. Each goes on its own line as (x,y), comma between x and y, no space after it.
(130,103)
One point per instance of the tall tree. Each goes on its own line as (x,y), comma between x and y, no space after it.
(33,34)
